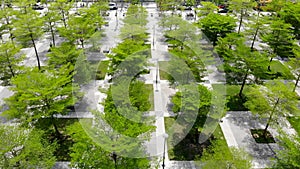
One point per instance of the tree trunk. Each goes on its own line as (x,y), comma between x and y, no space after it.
(9,65)
(269,67)
(82,45)
(55,126)
(36,52)
(52,34)
(241,20)
(63,18)
(9,30)
(243,84)
(270,118)
(296,84)
(256,31)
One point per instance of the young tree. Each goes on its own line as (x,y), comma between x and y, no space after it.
(241,8)
(185,32)
(220,156)
(9,62)
(24,6)
(240,62)
(290,13)
(272,101)
(50,19)
(94,14)
(295,65)
(79,29)
(7,22)
(289,156)
(215,25)
(63,54)
(136,15)
(170,22)
(40,95)
(256,27)
(134,32)
(87,153)
(208,7)
(62,7)
(280,39)
(201,105)
(123,50)
(24,148)
(28,28)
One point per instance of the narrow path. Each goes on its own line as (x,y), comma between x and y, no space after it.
(156,145)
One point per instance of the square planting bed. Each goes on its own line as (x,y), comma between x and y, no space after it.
(258,135)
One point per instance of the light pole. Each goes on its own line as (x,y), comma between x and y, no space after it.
(165,136)
(153,37)
(156,76)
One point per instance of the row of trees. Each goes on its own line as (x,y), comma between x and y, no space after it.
(125,129)
(41,93)
(194,105)
(244,64)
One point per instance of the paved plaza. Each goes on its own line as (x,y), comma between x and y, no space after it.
(235,125)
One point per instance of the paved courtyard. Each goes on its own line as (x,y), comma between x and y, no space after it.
(236,127)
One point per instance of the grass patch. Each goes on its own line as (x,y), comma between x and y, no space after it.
(163,67)
(259,137)
(235,103)
(149,88)
(101,69)
(64,142)
(187,149)
(278,70)
(295,122)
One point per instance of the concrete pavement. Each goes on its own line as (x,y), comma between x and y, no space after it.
(236,127)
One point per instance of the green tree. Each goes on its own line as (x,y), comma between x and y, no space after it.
(25,6)
(120,114)
(24,148)
(123,50)
(280,39)
(241,9)
(101,7)
(256,27)
(185,32)
(289,156)
(79,29)
(136,15)
(215,25)
(94,14)
(133,32)
(242,61)
(170,22)
(86,153)
(62,7)
(9,62)
(50,20)
(202,106)
(39,95)
(219,156)
(83,73)
(208,7)
(7,22)
(272,101)
(28,28)
(63,54)
(290,13)
(295,65)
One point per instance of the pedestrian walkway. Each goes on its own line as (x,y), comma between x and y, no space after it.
(236,127)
